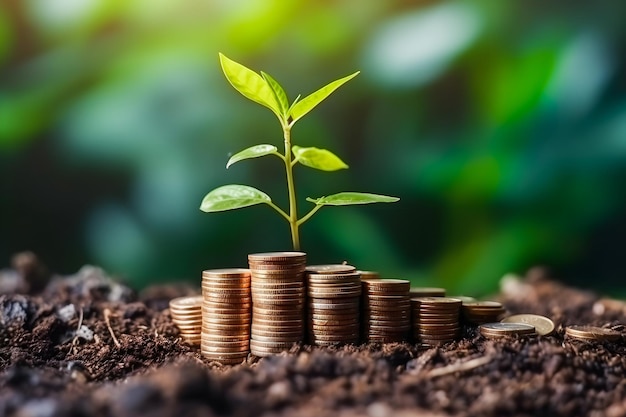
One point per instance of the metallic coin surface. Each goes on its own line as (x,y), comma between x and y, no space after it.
(506,329)
(543,325)
(592,333)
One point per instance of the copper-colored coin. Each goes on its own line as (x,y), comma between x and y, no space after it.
(478,305)
(330,269)
(277,285)
(427,292)
(543,325)
(184,303)
(592,333)
(277,256)
(211,338)
(369,275)
(226,272)
(506,329)
(222,320)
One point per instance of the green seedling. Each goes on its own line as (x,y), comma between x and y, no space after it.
(263,89)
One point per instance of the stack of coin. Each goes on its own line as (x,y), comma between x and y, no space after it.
(333,306)
(480,312)
(497,330)
(226,304)
(543,325)
(278,299)
(187,316)
(592,333)
(415,292)
(436,320)
(386,310)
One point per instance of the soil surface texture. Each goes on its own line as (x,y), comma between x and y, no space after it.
(86,345)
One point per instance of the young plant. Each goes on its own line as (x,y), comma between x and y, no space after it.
(266,91)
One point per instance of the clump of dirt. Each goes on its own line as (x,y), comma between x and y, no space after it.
(86,345)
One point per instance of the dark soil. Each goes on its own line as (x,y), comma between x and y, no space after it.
(137,365)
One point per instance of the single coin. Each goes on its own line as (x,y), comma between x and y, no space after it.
(184,303)
(543,325)
(226,272)
(477,305)
(330,269)
(427,292)
(276,256)
(425,301)
(371,275)
(592,333)
(506,329)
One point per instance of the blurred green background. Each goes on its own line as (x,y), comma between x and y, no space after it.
(501,125)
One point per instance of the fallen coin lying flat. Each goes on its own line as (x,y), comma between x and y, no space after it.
(592,333)
(495,330)
(543,325)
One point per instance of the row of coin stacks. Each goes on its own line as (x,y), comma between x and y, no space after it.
(280,301)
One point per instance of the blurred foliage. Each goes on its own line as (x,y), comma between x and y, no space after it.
(501,125)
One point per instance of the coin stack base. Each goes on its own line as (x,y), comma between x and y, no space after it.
(386,310)
(187,316)
(226,315)
(333,305)
(278,299)
(436,320)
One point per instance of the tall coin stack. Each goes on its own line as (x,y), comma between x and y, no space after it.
(187,316)
(226,315)
(436,320)
(386,310)
(278,299)
(333,304)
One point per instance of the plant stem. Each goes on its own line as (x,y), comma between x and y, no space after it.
(293,209)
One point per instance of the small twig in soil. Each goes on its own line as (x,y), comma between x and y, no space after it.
(80,323)
(460,367)
(107,313)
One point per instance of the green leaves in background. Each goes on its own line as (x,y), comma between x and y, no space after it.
(231,197)
(351,198)
(309,102)
(253,152)
(321,159)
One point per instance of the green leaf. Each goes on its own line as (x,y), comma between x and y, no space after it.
(231,197)
(252,152)
(309,102)
(279,93)
(318,158)
(350,198)
(250,84)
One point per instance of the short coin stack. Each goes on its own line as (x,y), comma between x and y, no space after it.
(386,310)
(187,316)
(278,299)
(480,312)
(333,305)
(592,333)
(436,320)
(226,315)
(498,330)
